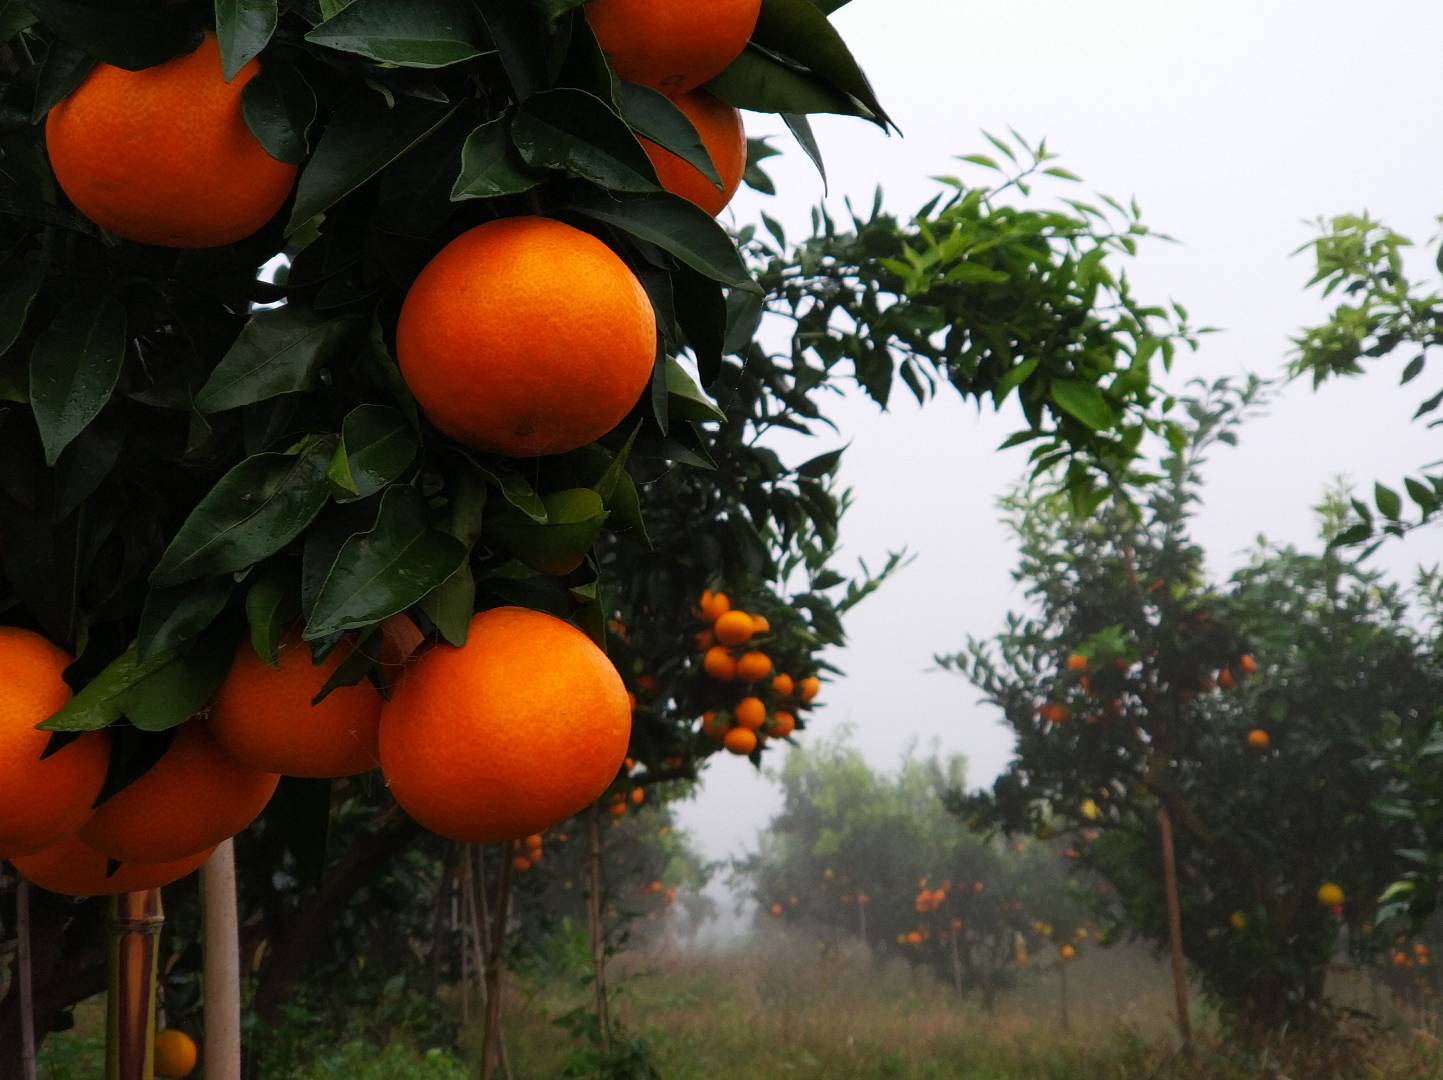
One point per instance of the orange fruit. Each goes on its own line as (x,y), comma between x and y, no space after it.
(740,740)
(521,728)
(638,796)
(809,688)
(754,666)
(718,663)
(263,716)
(41,801)
(175,1055)
(1330,895)
(617,809)
(190,800)
(521,863)
(163,156)
(714,605)
(534,842)
(1055,714)
(74,868)
(734,628)
(760,625)
(714,726)
(725,139)
(1068,952)
(1259,739)
(1248,664)
(776,910)
(672,45)
(526,337)
(915,938)
(1077,662)
(750,713)
(783,685)
(783,724)
(1225,679)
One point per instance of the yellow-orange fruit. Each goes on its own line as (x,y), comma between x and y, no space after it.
(175,1055)
(754,666)
(534,841)
(750,713)
(521,863)
(783,685)
(725,138)
(190,800)
(617,809)
(760,625)
(1259,739)
(672,45)
(809,688)
(734,628)
(163,156)
(705,639)
(41,801)
(263,716)
(638,796)
(1068,952)
(526,337)
(783,724)
(523,727)
(74,868)
(719,664)
(740,740)
(1077,662)
(714,726)
(1248,664)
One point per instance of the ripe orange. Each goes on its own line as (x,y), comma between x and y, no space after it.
(734,628)
(809,688)
(1225,679)
(163,156)
(750,713)
(1055,714)
(740,740)
(1330,895)
(672,45)
(1068,952)
(521,863)
(526,337)
(175,1055)
(41,801)
(783,685)
(638,796)
(263,717)
(719,664)
(534,842)
(521,728)
(617,808)
(714,605)
(760,625)
(714,726)
(783,724)
(754,666)
(74,868)
(1248,664)
(1259,739)
(776,910)
(725,139)
(1077,662)
(190,800)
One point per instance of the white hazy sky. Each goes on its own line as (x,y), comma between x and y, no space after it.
(1234,123)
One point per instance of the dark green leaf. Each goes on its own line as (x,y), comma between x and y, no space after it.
(272,605)
(759,82)
(656,117)
(577,133)
(674,225)
(1389,504)
(279,351)
(377,446)
(515,490)
(102,700)
(64,69)
(1084,401)
(798,30)
(574,519)
(408,33)
(801,128)
(685,400)
(490,166)
(243,28)
(180,689)
(172,617)
(14,17)
(451,604)
(256,509)
(19,293)
(74,368)
(280,107)
(130,36)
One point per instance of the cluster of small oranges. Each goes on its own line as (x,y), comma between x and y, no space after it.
(726,659)
(1419,957)
(1057,713)
(528,853)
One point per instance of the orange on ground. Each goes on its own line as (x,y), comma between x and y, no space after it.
(725,139)
(175,1055)
(74,868)
(41,801)
(734,628)
(750,713)
(740,740)
(163,156)
(809,688)
(783,724)
(263,716)
(521,728)
(1077,662)
(672,45)
(754,666)
(1259,739)
(719,664)
(714,605)
(783,685)
(525,337)
(190,800)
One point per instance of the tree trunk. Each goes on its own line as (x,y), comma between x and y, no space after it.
(1064,1014)
(135,922)
(24,979)
(222,1004)
(491,1045)
(1174,928)
(68,965)
(597,926)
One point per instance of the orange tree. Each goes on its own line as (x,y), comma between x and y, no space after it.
(1248,711)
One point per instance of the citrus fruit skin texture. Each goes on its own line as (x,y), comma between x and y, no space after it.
(526,337)
(175,1055)
(74,868)
(163,156)
(725,139)
(41,802)
(740,740)
(734,628)
(190,800)
(523,727)
(263,717)
(672,45)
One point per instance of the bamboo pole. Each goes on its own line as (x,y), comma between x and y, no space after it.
(135,922)
(222,1005)
(597,926)
(490,1047)
(1174,928)
(24,977)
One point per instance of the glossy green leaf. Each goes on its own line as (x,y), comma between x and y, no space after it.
(279,351)
(408,33)
(1388,501)
(101,702)
(65,68)
(759,82)
(172,617)
(75,367)
(799,30)
(279,107)
(490,165)
(243,28)
(130,36)
(514,489)
(22,286)
(254,510)
(674,225)
(656,117)
(182,688)
(14,17)
(273,603)
(385,571)
(574,520)
(1084,401)
(685,400)
(451,604)
(377,446)
(577,133)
